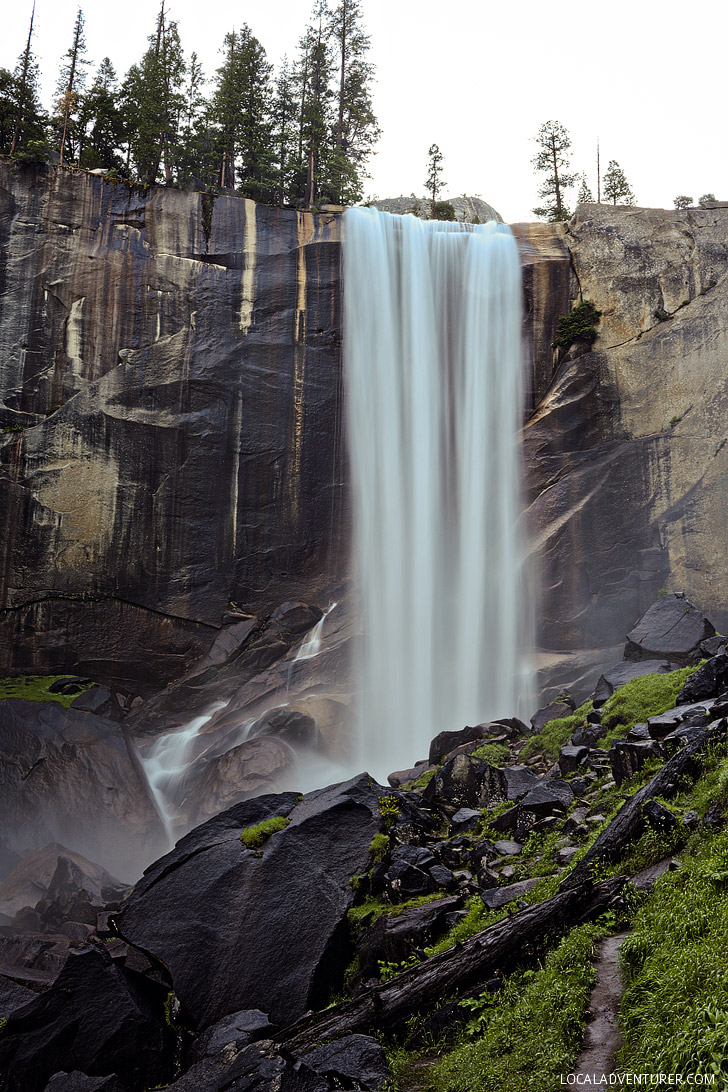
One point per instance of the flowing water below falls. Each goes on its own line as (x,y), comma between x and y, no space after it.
(434,403)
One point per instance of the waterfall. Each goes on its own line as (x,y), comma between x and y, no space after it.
(434,402)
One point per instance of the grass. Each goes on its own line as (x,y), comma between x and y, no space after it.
(254,837)
(37,688)
(379,848)
(554,735)
(422,781)
(377,907)
(646,696)
(674,1009)
(531,1032)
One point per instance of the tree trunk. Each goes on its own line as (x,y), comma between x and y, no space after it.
(517,939)
(612,842)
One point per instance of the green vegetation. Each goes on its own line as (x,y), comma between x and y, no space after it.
(579,325)
(494,753)
(37,688)
(422,781)
(554,735)
(616,187)
(254,837)
(675,964)
(553,160)
(646,696)
(442,210)
(389,810)
(379,847)
(377,907)
(531,1031)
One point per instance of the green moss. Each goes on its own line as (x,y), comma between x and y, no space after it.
(530,1033)
(379,847)
(494,753)
(554,735)
(377,907)
(646,696)
(254,837)
(37,688)
(477,918)
(422,781)
(579,325)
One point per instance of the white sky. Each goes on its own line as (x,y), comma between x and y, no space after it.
(478,79)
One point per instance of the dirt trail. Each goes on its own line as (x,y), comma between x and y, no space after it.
(602,1039)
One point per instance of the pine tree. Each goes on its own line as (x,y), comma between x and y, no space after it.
(255,167)
(28,127)
(285,131)
(356,125)
(100,125)
(70,86)
(434,183)
(682,201)
(316,70)
(195,155)
(554,142)
(154,102)
(585,195)
(616,187)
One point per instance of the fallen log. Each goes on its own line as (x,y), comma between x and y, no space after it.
(501,947)
(612,842)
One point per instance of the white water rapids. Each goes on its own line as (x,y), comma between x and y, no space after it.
(434,402)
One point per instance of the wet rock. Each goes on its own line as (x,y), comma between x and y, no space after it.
(639,732)
(495,898)
(255,767)
(13,997)
(445,742)
(467,782)
(97,1017)
(80,1082)
(403,777)
(409,874)
(549,799)
(260,1067)
(297,729)
(626,757)
(394,938)
(519,781)
(507,848)
(56,874)
(671,629)
(566,854)
(708,681)
(624,672)
(56,766)
(237,1030)
(570,758)
(659,817)
(352,1062)
(555,710)
(100,701)
(713,646)
(188,908)
(466,819)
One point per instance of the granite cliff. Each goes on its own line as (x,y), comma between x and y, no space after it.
(172,419)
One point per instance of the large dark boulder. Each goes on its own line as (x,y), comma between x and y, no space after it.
(446,742)
(242,928)
(555,710)
(99,1018)
(708,681)
(259,1067)
(56,769)
(467,782)
(352,1062)
(627,756)
(671,629)
(624,672)
(392,939)
(80,1082)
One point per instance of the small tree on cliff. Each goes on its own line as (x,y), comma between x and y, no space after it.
(553,159)
(682,201)
(585,195)
(616,187)
(434,183)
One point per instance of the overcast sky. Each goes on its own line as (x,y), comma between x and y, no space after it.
(478,79)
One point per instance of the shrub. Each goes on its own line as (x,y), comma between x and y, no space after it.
(442,210)
(580,325)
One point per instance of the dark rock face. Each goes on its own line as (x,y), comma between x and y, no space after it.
(79,1082)
(446,742)
(176,360)
(467,782)
(555,710)
(626,757)
(56,766)
(354,1061)
(672,628)
(260,1067)
(708,681)
(393,939)
(220,916)
(96,1016)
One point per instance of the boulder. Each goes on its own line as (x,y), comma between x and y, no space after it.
(13,997)
(259,1067)
(392,939)
(555,710)
(547,800)
(570,758)
(252,768)
(56,766)
(237,1030)
(97,1017)
(445,742)
(659,817)
(80,1082)
(519,781)
(626,757)
(670,629)
(467,782)
(708,681)
(353,1062)
(242,928)
(497,897)
(296,729)
(624,672)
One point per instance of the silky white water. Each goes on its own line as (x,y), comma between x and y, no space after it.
(434,402)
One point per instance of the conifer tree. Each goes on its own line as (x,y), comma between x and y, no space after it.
(356,125)
(28,117)
(100,125)
(285,113)
(553,159)
(434,183)
(585,195)
(70,86)
(316,69)
(616,187)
